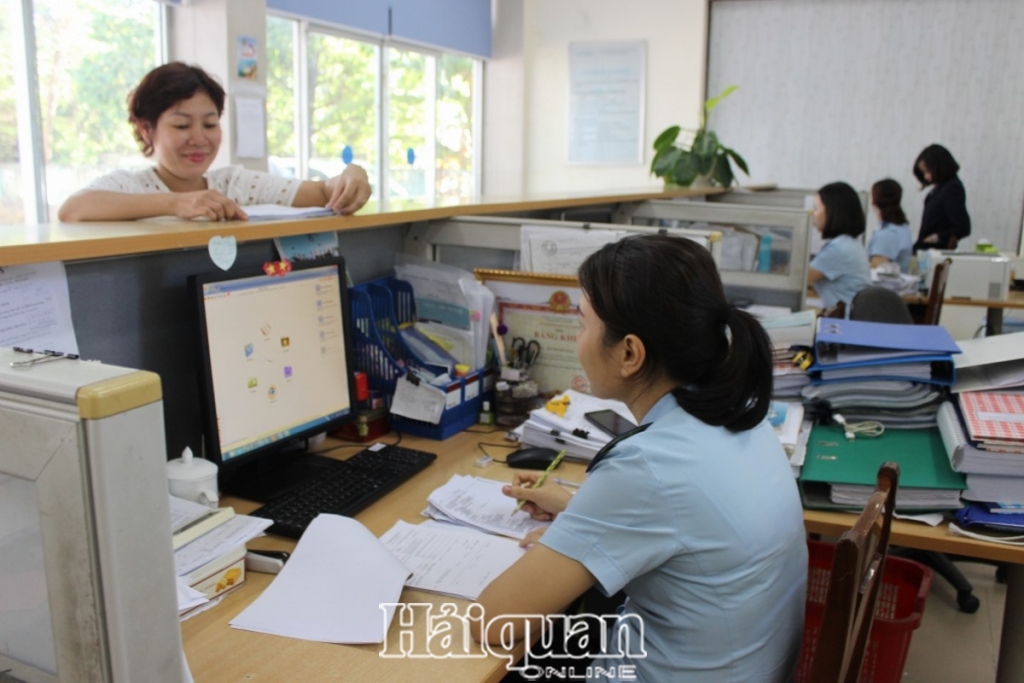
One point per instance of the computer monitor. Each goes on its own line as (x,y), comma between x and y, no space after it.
(275,370)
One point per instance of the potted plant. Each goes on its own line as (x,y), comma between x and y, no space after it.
(706,161)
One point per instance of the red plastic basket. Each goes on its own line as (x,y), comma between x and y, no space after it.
(905,586)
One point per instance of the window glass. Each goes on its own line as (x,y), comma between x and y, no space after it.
(90,54)
(11,210)
(410,160)
(456,151)
(343,75)
(282,123)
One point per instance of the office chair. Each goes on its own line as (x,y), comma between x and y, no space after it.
(929,313)
(880,305)
(854,583)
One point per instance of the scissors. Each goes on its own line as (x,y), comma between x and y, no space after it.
(524,353)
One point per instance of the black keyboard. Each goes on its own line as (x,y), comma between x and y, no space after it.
(343,490)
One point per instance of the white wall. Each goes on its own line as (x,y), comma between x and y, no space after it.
(854,89)
(675,33)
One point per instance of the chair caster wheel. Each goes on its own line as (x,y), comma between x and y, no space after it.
(968,603)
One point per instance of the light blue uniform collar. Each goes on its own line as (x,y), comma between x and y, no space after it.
(664,406)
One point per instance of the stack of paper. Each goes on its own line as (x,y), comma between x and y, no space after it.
(887,372)
(572,431)
(479,504)
(209,551)
(455,561)
(788,380)
(784,327)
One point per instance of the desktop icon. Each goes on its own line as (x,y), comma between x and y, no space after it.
(265,329)
(249,349)
(287,371)
(272,392)
(252,383)
(285,342)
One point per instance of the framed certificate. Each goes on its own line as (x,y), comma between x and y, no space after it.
(542,308)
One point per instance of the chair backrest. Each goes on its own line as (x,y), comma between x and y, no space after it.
(837,311)
(853,586)
(936,293)
(880,305)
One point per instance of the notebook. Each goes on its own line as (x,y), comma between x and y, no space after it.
(994,416)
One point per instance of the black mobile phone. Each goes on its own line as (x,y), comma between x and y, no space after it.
(610,422)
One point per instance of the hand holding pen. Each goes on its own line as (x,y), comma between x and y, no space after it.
(541,503)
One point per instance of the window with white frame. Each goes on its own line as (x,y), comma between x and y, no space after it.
(77,66)
(408,115)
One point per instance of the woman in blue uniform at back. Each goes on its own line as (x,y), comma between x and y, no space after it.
(892,242)
(695,516)
(840,269)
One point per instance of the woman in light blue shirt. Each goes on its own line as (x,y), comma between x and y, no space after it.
(892,242)
(695,515)
(840,269)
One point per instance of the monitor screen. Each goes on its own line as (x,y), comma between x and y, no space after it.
(276,358)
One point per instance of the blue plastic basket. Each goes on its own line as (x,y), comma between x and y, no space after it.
(377,309)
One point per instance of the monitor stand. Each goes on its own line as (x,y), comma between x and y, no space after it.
(272,474)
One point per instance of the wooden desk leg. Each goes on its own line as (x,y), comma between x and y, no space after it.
(993,322)
(1011,644)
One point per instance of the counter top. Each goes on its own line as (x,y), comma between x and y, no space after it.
(21,243)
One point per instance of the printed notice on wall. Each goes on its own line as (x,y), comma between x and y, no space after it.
(35,308)
(606,102)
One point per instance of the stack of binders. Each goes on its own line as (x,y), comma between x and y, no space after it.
(983,426)
(892,373)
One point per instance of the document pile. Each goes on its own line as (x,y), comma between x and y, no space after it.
(472,538)
(841,474)
(892,373)
(888,275)
(983,427)
(571,430)
(209,552)
(784,327)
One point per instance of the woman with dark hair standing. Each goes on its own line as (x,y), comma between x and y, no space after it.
(175,116)
(945,220)
(840,269)
(892,242)
(694,515)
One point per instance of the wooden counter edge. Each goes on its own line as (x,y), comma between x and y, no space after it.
(139,237)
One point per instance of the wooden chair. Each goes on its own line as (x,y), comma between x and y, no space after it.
(853,587)
(936,293)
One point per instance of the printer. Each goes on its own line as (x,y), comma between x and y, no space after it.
(973,275)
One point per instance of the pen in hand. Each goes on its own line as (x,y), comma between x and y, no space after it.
(543,477)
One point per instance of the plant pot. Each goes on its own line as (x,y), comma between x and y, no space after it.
(699,183)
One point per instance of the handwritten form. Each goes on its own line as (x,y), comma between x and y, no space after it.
(450,561)
(35,308)
(480,503)
(331,588)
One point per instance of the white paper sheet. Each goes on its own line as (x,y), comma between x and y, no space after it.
(188,597)
(450,561)
(481,504)
(332,587)
(418,401)
(561,250)
(270,212)
(250,128)
(35,308)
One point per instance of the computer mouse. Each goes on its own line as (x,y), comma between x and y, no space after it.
(531,458)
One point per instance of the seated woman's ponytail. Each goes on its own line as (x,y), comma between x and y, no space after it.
(666,290)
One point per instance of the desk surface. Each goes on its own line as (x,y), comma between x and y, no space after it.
(216,652)
(1014,299)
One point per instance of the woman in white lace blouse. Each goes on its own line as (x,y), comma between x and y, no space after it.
(175,115)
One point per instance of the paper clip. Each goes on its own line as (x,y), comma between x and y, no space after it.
(44,357)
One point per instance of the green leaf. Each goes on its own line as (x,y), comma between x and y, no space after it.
(665,160)
(685,171)
(705,144)
(723,171)
(738,159)
(667,137)
(710,104)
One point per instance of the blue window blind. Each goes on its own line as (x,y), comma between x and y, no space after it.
(462,25)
